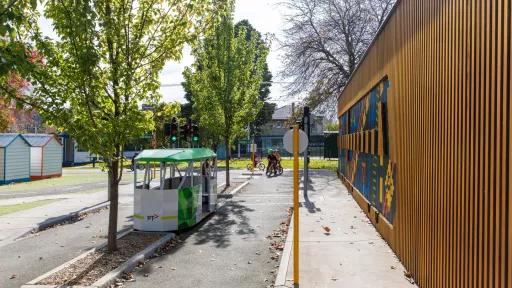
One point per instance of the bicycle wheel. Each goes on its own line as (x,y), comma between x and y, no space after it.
(280,170)
(249,167)
(269,171)
(261,166)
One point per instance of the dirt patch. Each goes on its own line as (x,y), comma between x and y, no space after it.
(89,269)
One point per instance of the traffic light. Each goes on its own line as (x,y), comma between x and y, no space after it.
(167,129)
(195,133)
(186,129)
(173,131)
(306,121)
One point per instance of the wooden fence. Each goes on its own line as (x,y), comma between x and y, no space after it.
(439,152)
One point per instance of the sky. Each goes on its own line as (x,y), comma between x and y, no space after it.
(266,16)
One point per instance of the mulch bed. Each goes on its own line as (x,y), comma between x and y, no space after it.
(97,264)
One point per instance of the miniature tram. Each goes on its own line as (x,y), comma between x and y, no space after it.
(181,196)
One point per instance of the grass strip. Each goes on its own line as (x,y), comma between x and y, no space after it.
(8,209)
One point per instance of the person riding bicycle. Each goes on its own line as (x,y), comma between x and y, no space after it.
(272,160)
(278,157)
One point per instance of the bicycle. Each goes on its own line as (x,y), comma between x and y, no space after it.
(259,165)
(274,168)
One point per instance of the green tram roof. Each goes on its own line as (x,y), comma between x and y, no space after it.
(175,155)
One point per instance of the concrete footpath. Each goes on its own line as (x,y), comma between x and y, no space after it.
(352,254)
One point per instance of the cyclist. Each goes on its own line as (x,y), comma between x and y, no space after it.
(278,168)
(272,161)
(278,156)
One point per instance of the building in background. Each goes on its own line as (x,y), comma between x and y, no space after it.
(72,153)
(273,132)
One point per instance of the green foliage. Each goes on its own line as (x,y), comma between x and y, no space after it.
(225,80)
(265,114)
(17,17)
(106,62)
(332,126)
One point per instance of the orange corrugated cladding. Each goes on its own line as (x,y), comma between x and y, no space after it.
(448,64)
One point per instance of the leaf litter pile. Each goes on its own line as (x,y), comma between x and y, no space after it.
(130,277)
(95,265)
(277,242)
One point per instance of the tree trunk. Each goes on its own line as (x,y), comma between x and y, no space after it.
(114,199)
(228,157)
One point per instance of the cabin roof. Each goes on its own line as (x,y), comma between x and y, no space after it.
(175,155)
(8,138)
(38,140)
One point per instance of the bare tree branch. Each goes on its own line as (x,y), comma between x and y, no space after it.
(323,42)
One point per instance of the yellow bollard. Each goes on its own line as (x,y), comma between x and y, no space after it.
(296,205)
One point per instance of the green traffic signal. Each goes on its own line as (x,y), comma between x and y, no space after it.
(173,138)
(195,138)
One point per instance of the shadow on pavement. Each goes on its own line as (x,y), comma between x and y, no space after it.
(310,205)
(219,228)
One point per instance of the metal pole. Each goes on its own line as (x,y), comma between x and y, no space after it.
(296,205)
(306,152)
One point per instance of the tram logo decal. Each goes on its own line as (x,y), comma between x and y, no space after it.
(373,175)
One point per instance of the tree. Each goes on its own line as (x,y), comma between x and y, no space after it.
(104,65)
(17,17)
(225,81)
(323,42)
(265,114)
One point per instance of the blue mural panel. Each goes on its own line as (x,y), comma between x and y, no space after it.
(373,176)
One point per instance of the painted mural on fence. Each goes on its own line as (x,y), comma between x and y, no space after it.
(373,176)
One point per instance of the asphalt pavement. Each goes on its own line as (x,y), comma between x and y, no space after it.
(25,258)
(230,249)
(30,257)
